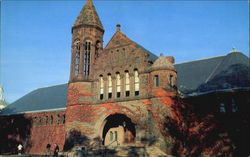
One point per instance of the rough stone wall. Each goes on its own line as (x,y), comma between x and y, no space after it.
(80,93)
(34,131)
(89,119)
(164,83)
(47,128)
(148,115)
(120,55)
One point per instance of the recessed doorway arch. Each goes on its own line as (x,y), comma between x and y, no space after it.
(118,130)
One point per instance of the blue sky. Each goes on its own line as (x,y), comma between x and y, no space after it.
(36,35)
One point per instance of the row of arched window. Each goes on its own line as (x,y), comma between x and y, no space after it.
(49,120)
(118,85)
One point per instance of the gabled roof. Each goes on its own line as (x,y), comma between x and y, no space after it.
(43,99)
(152,56)
(88,16)
(120,39)
(213,74)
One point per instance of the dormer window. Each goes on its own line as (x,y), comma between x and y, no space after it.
(137,82)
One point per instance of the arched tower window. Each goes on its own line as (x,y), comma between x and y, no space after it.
(137,82)
(118,85)
(77,59)
(127,84)
(109,86)
(101,87)
(86,66)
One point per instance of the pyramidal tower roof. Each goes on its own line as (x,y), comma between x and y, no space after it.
(88,16)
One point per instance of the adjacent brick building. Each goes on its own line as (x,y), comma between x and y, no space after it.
(120,95)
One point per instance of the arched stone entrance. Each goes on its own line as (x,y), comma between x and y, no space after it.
(118,130)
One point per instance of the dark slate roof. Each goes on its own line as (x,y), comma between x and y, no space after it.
(229,72)
(152,56)
(42,99)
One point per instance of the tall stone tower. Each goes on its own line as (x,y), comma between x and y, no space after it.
(118,95)
(87,45)
(87,41)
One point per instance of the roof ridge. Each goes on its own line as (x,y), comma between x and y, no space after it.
(214,70)
(50,86)
(144,49)
(199,59)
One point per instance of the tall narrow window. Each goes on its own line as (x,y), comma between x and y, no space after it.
(77,59)
(111,136)
(86,66)
(171,82)
(137,83)
(222,108)
(234,106)
(109,86)
(101,87)
(118,85)
(127,84)
(156,80)
(116,135)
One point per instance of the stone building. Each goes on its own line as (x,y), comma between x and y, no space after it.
(118,95)
(109,86)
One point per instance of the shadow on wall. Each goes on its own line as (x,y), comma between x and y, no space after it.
(75,138)
(209,134)
(14,130)
(76,141)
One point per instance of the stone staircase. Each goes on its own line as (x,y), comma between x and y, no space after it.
(122,151)
(140,151)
